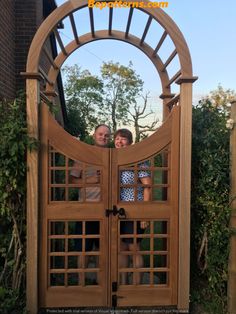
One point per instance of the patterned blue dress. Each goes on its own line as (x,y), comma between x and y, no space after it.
(127,194)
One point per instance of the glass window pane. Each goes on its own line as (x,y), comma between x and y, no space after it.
(160,244)
(160,261)
(57,279)
(92,227)
(75,227)
(75,194)
(58,176)
(57,262)
(91,279)
(74,262)
(160,278)
(58,194)
(145,244)
(73,279)
(57,245)
(57,227)
(74,245)
(57,160)
(159,193)
(160,227)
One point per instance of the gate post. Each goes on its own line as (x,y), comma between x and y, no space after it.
(185,191)
(32,108)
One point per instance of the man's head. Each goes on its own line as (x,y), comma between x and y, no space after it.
(102,135)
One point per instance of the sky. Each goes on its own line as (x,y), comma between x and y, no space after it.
(209,28)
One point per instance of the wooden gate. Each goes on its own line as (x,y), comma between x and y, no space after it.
(80,238)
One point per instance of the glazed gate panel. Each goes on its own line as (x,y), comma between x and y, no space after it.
(84,238)
(146,264)
(74,228)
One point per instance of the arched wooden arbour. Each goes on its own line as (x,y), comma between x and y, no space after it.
(41,82)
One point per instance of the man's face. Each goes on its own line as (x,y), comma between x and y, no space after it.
(102,136)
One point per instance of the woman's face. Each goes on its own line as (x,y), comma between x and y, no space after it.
(121,141)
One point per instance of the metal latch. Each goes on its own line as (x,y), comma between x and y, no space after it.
(114,211)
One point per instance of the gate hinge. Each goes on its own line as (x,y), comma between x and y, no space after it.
(114,300)
(114,286)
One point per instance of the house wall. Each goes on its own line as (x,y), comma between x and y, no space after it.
(7,49)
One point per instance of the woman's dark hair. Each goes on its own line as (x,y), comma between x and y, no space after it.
(124,133)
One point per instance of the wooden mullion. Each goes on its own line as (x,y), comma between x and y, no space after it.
(174,78)
(60,42)
(173,101)
(49,57)
(110,20)
(66,179)
(72,21)
(91,22)
(66,251)
(45,76)
(168,61)
(146,30)
(163,37)
(129,22)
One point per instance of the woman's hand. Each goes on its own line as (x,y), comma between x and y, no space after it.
(144,224)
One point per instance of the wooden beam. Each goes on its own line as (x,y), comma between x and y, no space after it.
(59,40)
(149,21)
(91,21)
(110,20)
(72,21)
(49,57)
(129,22)
(174,77)
(41,71)
(168,61)
(163,37)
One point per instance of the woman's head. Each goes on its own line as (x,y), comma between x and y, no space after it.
(123,138)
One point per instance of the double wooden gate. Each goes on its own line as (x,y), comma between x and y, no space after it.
(81,249)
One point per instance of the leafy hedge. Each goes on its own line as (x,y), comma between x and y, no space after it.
(210,207)
(13,143)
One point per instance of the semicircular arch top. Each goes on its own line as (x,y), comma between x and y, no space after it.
(68,9)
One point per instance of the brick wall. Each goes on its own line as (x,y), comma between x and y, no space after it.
(28,16)
(7,50)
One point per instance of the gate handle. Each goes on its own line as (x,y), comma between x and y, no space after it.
(114,211)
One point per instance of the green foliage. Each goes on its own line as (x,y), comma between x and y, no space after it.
(210,206)
(122,85)
(91,100)
(13,143)
(84,98)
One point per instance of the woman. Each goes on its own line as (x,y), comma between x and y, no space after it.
(124,138)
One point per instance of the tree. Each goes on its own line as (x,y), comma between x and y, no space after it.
(221,97)
(84,97)
(137,114)
(122,85)
(210,202)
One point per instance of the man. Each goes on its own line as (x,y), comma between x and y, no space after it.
(101,138)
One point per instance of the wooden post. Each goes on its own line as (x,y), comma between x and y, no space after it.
(232,256)
(32,87)
(184,193)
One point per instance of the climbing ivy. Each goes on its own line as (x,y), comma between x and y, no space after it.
(210,207)
(13,144)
